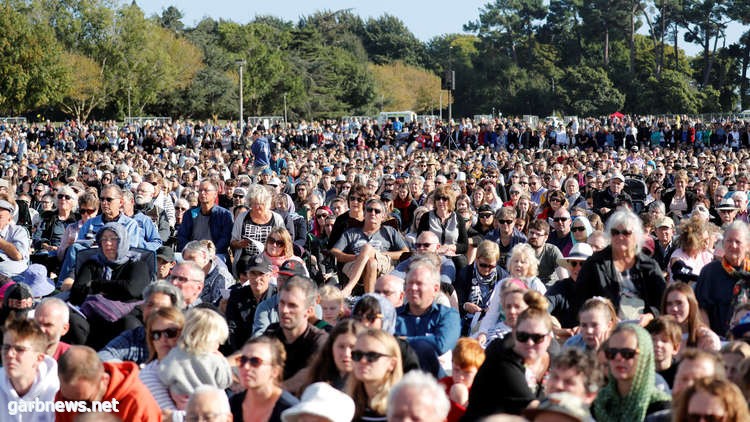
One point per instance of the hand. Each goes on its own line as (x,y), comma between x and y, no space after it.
(482,339)
(644,319)
(471,308)
(459,393)
(243,243)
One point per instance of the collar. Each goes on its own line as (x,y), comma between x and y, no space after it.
(405,310)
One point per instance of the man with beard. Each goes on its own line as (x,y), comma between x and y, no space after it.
(144,203)
(148,231)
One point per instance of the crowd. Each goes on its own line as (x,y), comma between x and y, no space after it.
(596,269)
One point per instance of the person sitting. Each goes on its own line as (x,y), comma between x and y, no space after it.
(428,243)
(630,393)
(83,377)
(118,276)
(417,396)
(208,221)
(243,301)
(53,316)
(468,356)
(15,244)
(48,237)
(131,345)
(217,279)
(575,372)
(561,293)
(333,364)
(208,403)
(712,399)
(261,366)
(28,375)
(666,335)
(323,403)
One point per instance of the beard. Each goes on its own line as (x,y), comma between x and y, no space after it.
(141,200)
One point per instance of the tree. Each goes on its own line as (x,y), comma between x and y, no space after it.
(588,91)
(31,74)
(86,90)
(405,87)
(387,39)
(171,18)
(608,19)
(704,21)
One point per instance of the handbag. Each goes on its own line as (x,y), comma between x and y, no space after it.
(107,309)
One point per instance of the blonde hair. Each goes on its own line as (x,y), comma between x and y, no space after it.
(203,330)
(524,250)
(488,249)
(356,389)
(329,292)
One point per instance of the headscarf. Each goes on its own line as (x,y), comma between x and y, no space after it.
(610,407)
(586,224)
(123,246)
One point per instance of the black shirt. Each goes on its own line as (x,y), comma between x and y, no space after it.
(299,353)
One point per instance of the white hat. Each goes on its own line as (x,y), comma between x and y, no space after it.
(320,399)
(579,252)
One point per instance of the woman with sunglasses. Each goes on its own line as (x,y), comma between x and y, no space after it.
(261,367)
(333,364)
(580,230)
(354,217)
(515,366)
(630,393)
(711,400)
(163,327)
(449,227)
(48,237)
(622,273)
(554,200)
(562,291)
(88,207)
(377,368)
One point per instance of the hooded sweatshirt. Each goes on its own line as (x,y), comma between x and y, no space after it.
(44,388)
(135,402)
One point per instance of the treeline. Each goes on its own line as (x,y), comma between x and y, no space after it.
(101,59)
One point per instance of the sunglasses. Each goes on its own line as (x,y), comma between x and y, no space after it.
(505,221)
(375,210)
(616,232)
(108,199)
(574,264)
(87,211)
(238,196)
(578,229)
(371,318)
(555,200)
(370,357)
(524,337)
(485,214)
(62,196)
(277,242)
(168,333)
(321,215)
(701,417)
(485,266)
(180,209)
(560,219)
(254,361)
(626,353)
(356,199)
(441,198)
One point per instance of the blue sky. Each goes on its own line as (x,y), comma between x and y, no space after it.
(425,19)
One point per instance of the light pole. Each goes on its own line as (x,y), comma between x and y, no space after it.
(284,111)
(241,63)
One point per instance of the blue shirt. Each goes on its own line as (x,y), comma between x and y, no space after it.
(131,227)
(440,326)
(149,233)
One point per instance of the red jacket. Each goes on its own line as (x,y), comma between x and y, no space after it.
(135,402)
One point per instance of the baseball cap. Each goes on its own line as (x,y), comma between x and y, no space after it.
(292,267)
(616,175)
(166,253)
(665,222)
(5,205)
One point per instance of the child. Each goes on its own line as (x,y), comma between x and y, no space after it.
(468,356)
(597,319)
(332,303)
(667,336)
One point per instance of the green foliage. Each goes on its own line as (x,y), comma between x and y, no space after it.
(588,91)
(31,74)
(387,39)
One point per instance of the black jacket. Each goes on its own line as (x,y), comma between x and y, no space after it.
(598,277)
(689,199)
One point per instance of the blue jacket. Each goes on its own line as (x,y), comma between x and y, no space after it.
(131,227)
(149,233)
(440,326)
(220,224)
(261,152)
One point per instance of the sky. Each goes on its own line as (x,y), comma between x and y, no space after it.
(425,19)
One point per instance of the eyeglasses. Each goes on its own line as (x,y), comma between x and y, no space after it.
(505,221)
(536,234)
(515,192)
(63,196)
(370,357)
(181,279)
(273,241)
(615,232)
(375,210)
(560,219)
(254,361)
(524,337)
(238,196)
(485,214)
(441,198)
(578,229)
(170,333)
(87,211)
(626,353)
(113,239)
(702,417)
(356,199)
(180,209)
(369,317)
(16,348)
(108,199)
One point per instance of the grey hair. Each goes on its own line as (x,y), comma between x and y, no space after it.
(426,263)
(658,204)
(67,190)
(427,386)
(741,227)
(308,287)
(175,294)
(221,400)
(740,195)
(626,219)
(194,269)
(260,194)
(182,201)
(57,303)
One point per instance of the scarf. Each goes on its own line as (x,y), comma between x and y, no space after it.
(482,286)
(609,406)
(741,289)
